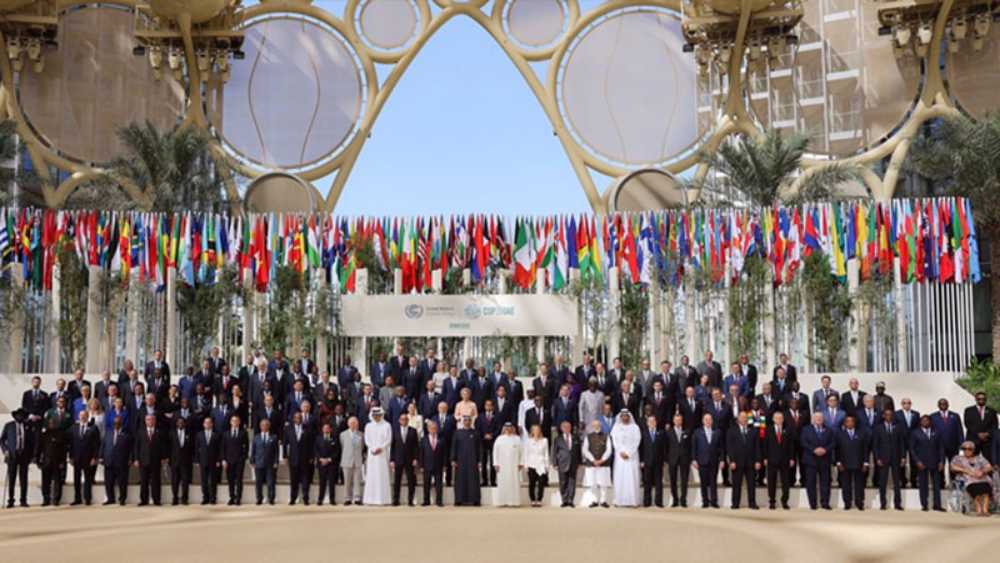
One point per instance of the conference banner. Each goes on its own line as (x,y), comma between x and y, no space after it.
(458,315)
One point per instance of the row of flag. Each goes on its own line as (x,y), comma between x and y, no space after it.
(934,239)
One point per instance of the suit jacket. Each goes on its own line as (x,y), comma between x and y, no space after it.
(810,439)
(791,373)
(181,455)
(751,373)
(404,449)
(563,411)
(450,391)
(778,453)
(489,425)
(298,451)
(84,447)
(834,420)
(427,405)
(927,450)
(235,450)
(652,449)
(567,459)
(819,398)
(868,421)
(706,453)
(352,452)
(974,424)
(146,450)
(151,370)
(714,372)
(848,403)
(547,389)
(949,427)
(36,405)
(914,423)
(208,452)
(532,417)
(326,448)
(8,439)
(264,454)
(116,453)
(378,371)
(742,449)
(677,451)
(854,452)
(633,402)
(432,459)
(889,446)
(721,417)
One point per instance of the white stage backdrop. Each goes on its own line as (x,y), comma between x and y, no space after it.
(458,315)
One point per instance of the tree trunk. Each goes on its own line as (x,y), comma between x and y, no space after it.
(994,238)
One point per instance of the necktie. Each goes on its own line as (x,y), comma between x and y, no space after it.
(744,430)
(777,433)
(180,438)
(928,433)
(20,438)
(114,440)
(433,442)
(569,444)
(652,435)
(850,434)
(150,433)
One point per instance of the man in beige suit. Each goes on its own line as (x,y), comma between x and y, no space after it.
(352,447)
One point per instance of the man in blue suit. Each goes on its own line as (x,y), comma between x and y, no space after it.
(397,405)
(851,455)
(817,454)
(823,393)
(451,387)
(564,407)
(927,454)
(706,452)
(948,426)
(736,377)
(833,415)
(265,461)
(116,448)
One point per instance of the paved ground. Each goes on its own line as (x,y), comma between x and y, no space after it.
(548,535)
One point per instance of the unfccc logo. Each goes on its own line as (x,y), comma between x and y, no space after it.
(473,311)
(413,311)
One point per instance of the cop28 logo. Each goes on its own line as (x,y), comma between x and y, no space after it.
(473,311)
(413,311)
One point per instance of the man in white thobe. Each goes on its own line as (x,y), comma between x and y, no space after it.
(625,438)
(378,438)
(597,462)
(508,461)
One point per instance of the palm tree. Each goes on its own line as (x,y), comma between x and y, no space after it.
(173,169)
(962,157)
(766,171)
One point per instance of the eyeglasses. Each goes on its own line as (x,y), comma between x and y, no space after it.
(968,449)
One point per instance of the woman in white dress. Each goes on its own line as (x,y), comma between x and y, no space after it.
(508,461)
(536,459)
(625,438)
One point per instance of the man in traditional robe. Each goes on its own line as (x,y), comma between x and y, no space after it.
(626,437)
(597,463)
(465,461)
(508,461)
(378,438)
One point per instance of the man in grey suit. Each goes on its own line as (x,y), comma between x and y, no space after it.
(566,459)
(265,461)
(352,448)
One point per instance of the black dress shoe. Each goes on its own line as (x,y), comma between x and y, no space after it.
(146,503)
(594,505)
(260,502)
(76,503)
(347,503)
(735,507)
(771,506)
(754,507)
(24,504)
(785,506)
(271,502)
(659,505)
(715,505)
(305,502)
(827,507)
(10,504)
(175,502)
(204,502)
(157,503)
(107,502)
(684,504)
(425,504)
(674,504)
(939,509)
(441,504)
(121,502)
(605,505)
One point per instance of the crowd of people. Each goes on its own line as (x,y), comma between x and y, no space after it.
(472,427)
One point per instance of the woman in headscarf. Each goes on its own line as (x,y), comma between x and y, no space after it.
(625,437)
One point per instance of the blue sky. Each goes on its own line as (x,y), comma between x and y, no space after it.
(462,132)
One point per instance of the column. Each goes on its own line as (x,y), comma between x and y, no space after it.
(92,363)
(362,291)
(577,344)
(14,341)
(321,343)
(540,339)
(249,320)
(614,309)
(134,304)
(770,334)
(170,353)
(901,351)
(856,347)
(54,343)
(690,326)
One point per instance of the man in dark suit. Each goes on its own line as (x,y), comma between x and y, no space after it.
(749,371)
(345,375)
(155,364)
(379,369)
(626,398)
(403,454)
(663,404)
(539,415)
(432,459)
(116,449)
(412,380)
(851,456)
(651,450)
(489,425)
(712,369)
(181,461)
(560,372)
(584,371)
(147,455)
(852,399)
(35,403)
(545,386)
(76,385)
(909,420)
(506,409)
(235,447)
(948,425)
(269,412)
(17,444)
(102,386)
(743,451)
(428,401)
(327,456)
(299,448)
(778,455)
(265,461)
(564,408)
(678,457)
(817,454)
(706,456)
(927,453)
(566,459)
(889,450)
(791,374)
(207,449)
(980,424)
(768,401)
